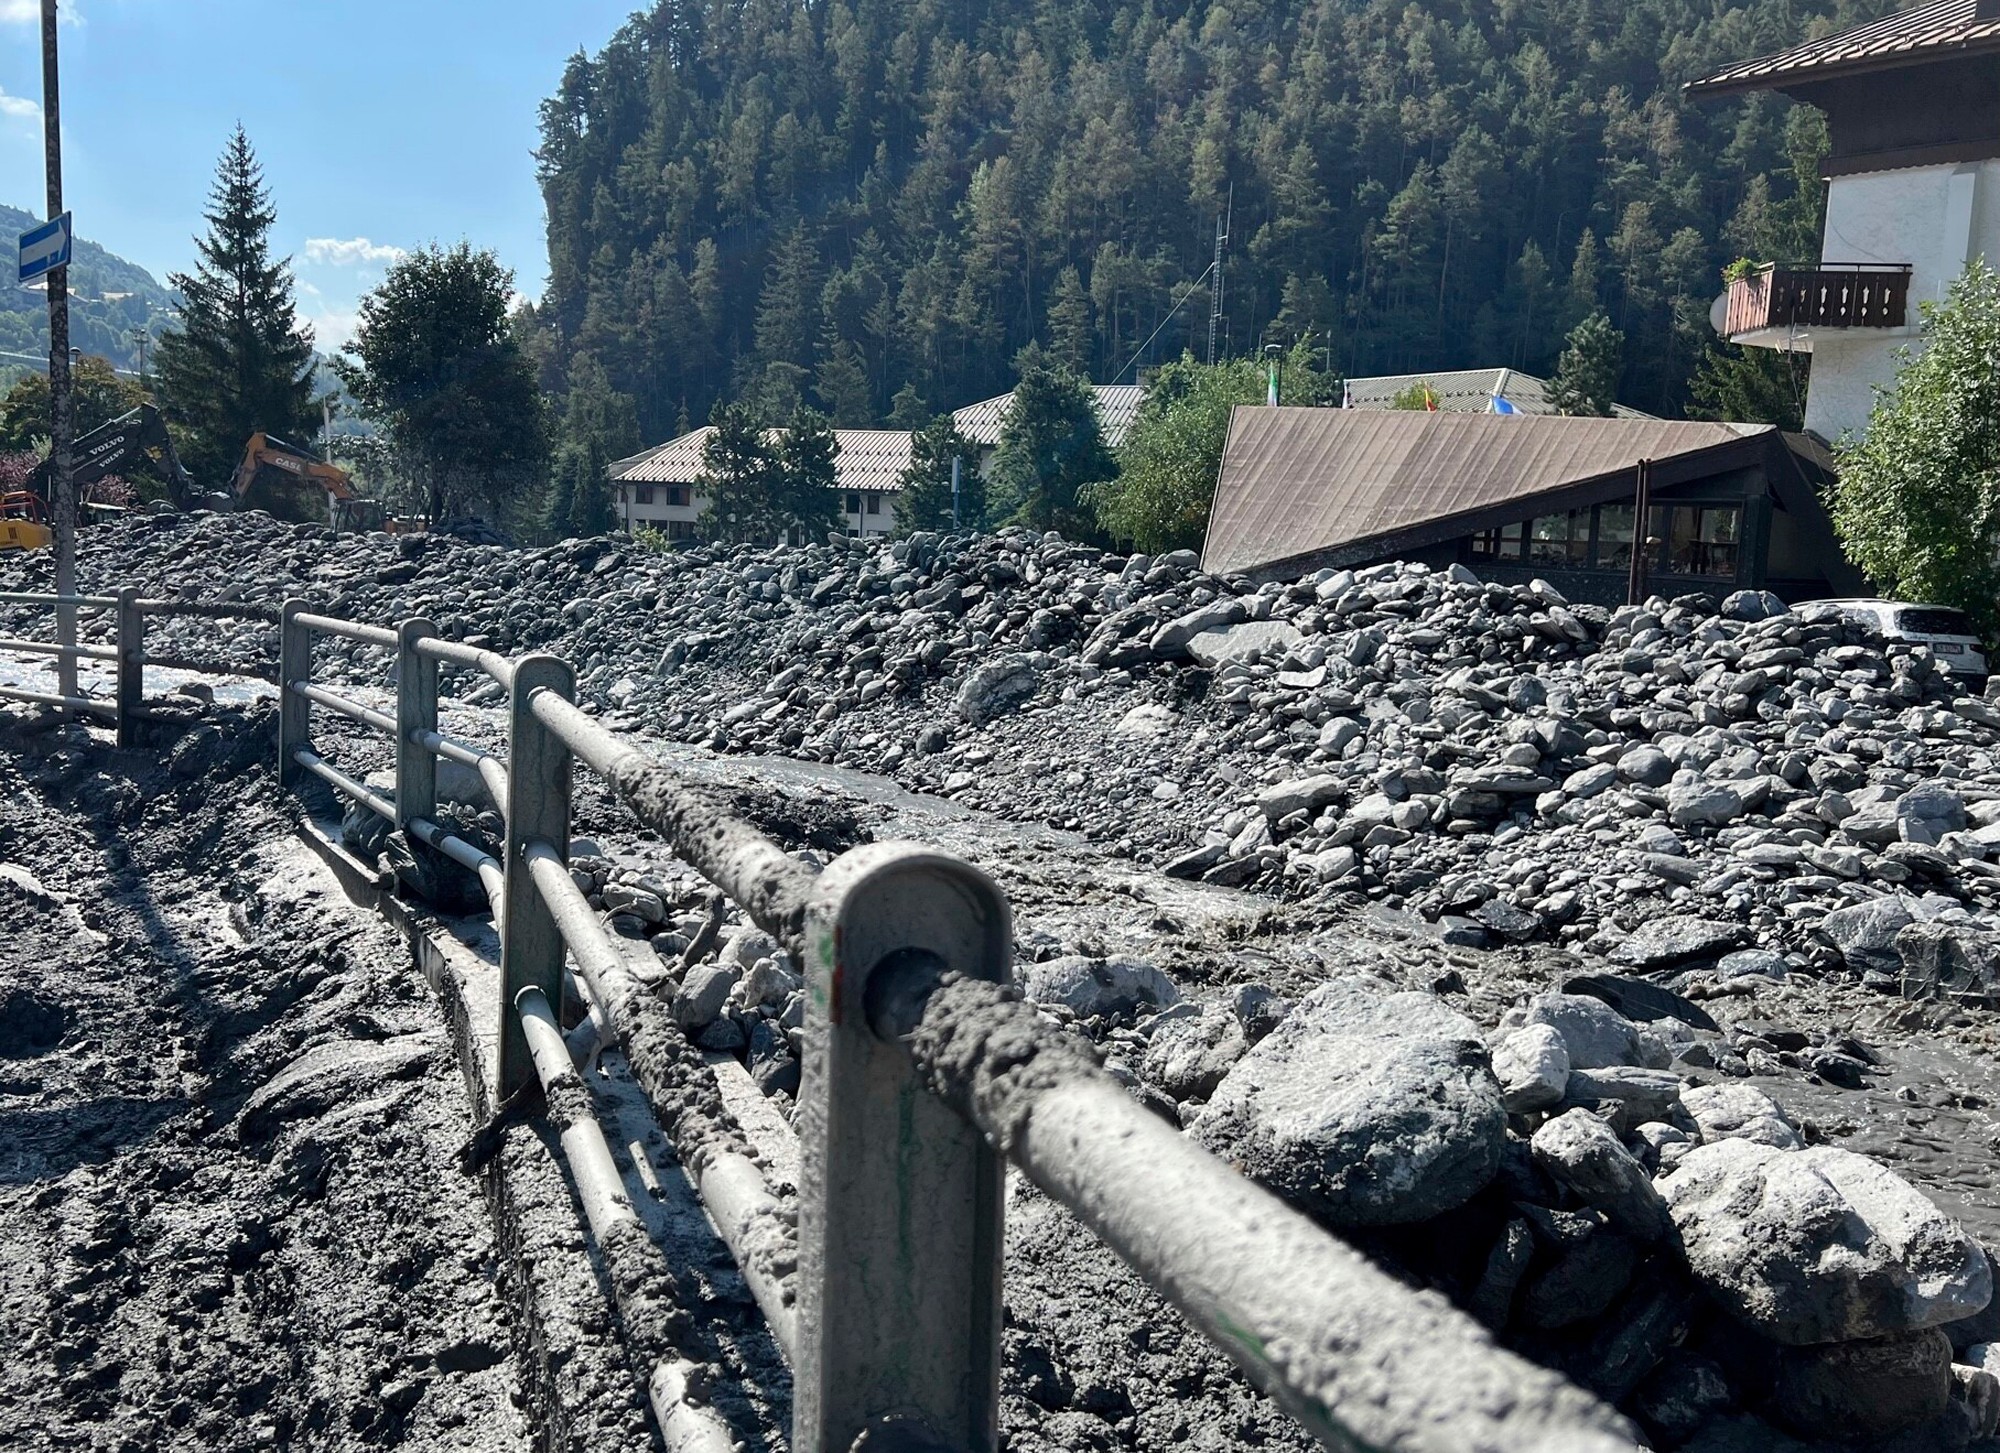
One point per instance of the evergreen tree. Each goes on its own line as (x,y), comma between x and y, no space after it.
(907,409)
(808,493)
(239,361)
(739,475)
(591,513)
(1069,323)
(842,386)
(97,396)
(1051,450)
(1586,380)
(435,362)
(559,513)
(924,501)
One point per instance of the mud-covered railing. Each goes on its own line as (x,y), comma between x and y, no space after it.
(924,1075)
(127,653)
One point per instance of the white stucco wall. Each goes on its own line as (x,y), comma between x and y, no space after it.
(659,514)
(1935,218)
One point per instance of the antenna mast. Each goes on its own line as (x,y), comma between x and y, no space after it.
(1215,268)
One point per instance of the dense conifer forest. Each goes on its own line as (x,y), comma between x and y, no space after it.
(870,206)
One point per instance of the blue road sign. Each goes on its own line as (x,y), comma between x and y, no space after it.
(45,248)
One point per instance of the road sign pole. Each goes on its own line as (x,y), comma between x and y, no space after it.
(62,481)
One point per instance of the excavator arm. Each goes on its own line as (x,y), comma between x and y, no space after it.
(116,447)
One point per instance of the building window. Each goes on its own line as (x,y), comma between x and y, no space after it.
(1700,539)
(644,494)
(1508,542)
(677,495)
(853,502)
(1560,539)
(874,502)
(680,530)
(1614,537)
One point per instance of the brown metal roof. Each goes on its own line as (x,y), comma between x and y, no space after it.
(868,459)
(1117,407)
(1296,482)
(1943,30)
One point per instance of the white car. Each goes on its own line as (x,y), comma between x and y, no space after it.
(1948,632)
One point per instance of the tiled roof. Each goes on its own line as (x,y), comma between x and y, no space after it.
(1465,391)
(1939,31)
(1298,481)
(1117,407)
(872,459)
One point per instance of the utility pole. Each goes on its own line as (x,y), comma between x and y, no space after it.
(62,481)
(1215,272)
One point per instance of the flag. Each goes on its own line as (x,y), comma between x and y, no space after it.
(1501,406)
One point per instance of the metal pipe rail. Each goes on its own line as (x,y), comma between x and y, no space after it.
(50,648)
(352,710)
(128,654)
(214,610)
(923,1076)
(74,602)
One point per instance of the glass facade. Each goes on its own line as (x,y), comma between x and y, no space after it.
(1699,540)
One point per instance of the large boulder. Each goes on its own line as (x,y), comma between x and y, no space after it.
(1678,939)
(1109,987)
(1820,1245)
(996,687)
(1950,961)
(1220,644)
(1532,1065)
(1865,933)
(1703,804)
(1861,1392)
(1581,1154)
(1366,1107)
(1596,1034)
(1742,1112)
(1189,1051)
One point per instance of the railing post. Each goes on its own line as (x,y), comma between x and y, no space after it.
(538,794)
(131,665)
(416,711)
(294,711)
(900,1238)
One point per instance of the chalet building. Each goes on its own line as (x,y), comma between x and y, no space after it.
(1117,408)
(1462,391)
(1730,506)
(661,488)
(1912,105)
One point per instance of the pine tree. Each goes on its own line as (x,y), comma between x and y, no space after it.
(1586,380)
(1069,327)
(924,501)
(808,492)
(739,475)
(841,386)
(1051,450)
(590,496)
(240,361)
(560,509)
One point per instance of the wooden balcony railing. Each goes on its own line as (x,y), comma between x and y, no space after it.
(1826,295)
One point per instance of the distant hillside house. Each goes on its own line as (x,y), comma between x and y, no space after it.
(1732,506)
(1117,408)
(1464,391)
(1912,107)
(661,487)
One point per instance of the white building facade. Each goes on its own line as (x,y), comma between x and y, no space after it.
(1913,195)
(660,489)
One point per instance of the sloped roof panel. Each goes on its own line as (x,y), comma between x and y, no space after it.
(1298,481)
(871,459)
(1938,31)
(1465,391)
(1117,406)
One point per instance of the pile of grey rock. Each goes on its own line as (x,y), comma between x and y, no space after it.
(1782,789)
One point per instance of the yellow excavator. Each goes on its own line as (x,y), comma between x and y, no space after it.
(292,483)
(24,521)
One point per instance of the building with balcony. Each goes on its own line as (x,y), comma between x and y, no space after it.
(1912,106)
(661,488)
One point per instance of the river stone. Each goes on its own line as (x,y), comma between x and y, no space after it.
(1596,1034)
(1740,1111)
(1187,1053)
(1927,812)
(1703,804)
(1581,1154)
(1646,766)
(1863,1391)
(1109,987)
(1820,1245)
(1677,939)
(1235,643)
(1949,960)
(1865,933)
(997,686)
(1532,1065)
(1365,1107)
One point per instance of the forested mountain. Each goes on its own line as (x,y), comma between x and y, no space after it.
(113,299)
(834,201)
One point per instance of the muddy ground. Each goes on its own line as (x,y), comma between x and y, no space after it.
(229,1114)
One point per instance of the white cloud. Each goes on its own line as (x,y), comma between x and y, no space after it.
(347,251)
(333,328)
(19,108)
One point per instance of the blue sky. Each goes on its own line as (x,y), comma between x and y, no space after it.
(381,126)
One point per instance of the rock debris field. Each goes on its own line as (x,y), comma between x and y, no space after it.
(1626,977)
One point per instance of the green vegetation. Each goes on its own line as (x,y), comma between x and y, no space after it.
(767,484)
(1051,452)
(1419,397)
(100,396)
(1918,504)
(239,361)
(435,364)
(924,501)
(851,201)
(1586,380)
(1168,465)
(113,303)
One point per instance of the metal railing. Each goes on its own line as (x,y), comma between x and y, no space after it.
(923,1077)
